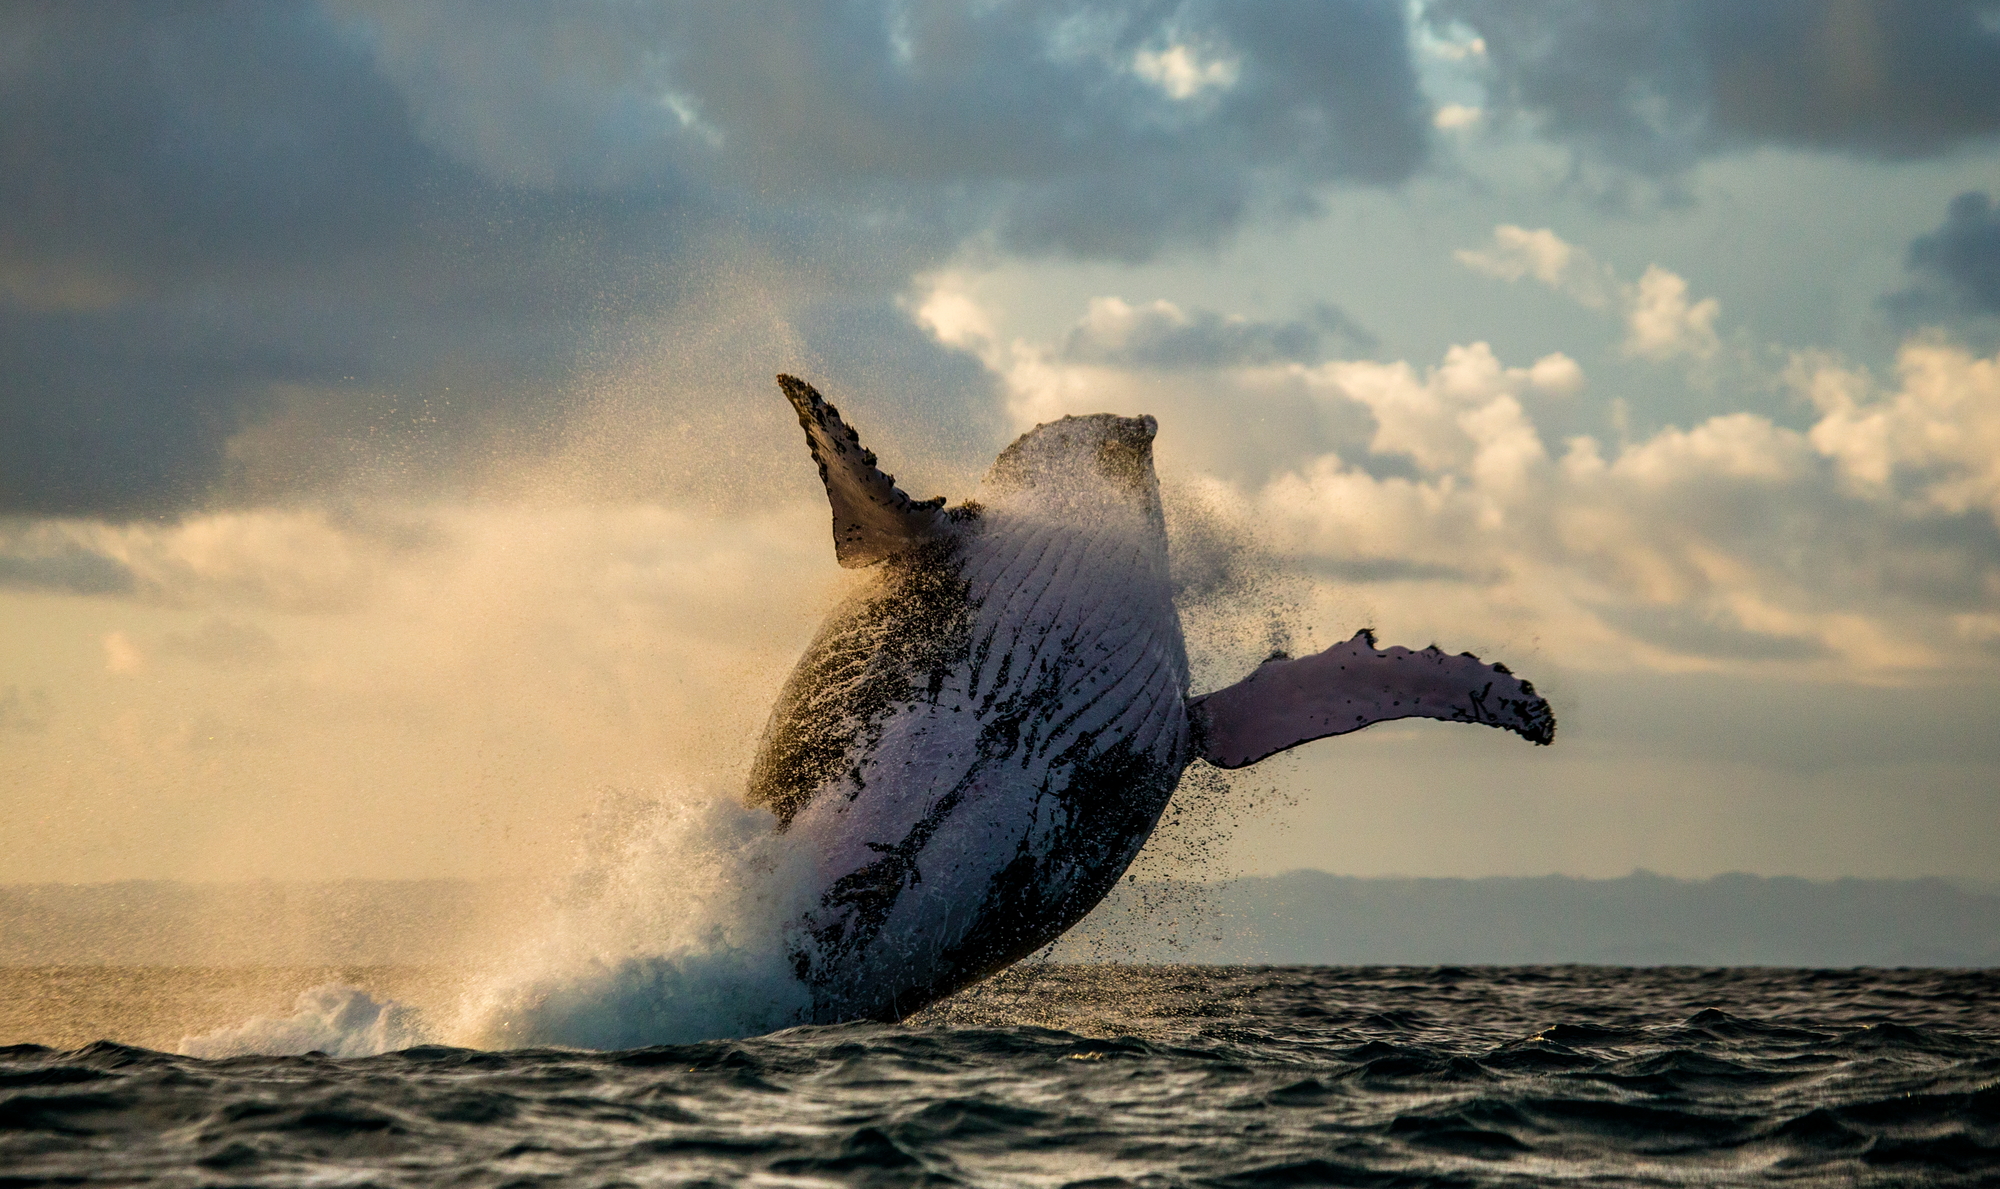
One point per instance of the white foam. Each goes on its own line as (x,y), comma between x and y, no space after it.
(335,1019)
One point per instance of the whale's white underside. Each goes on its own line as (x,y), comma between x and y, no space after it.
(1073,647)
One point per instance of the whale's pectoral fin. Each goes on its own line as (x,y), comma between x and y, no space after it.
(1288,702)
(872,518)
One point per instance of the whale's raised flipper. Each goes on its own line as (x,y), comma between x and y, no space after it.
(872,518)
(1288,702)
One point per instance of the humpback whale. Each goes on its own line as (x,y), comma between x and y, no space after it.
(976,744)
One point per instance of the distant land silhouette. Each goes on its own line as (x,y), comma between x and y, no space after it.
(1301,917)
(1642,919)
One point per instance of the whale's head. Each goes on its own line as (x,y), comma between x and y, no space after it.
(1077,463)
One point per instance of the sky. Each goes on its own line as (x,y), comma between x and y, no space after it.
(392,476)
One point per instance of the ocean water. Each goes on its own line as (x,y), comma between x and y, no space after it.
(1107,1076)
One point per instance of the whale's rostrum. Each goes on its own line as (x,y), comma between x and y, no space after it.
(977,743)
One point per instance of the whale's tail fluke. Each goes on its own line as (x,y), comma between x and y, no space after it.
(872,518)
(1287,702)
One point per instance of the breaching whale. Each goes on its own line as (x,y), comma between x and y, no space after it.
(977,743)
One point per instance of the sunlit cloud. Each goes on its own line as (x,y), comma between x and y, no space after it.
(1183,73)
(1731,544)
(1517,252)
(1453,50)
(1454,116)
(1934,438)
(121,655)
(1661,322)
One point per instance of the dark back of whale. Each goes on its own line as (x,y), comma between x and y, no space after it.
(894,645)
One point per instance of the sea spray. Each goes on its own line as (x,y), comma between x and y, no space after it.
(334,1019)
(668,929)
(671,931)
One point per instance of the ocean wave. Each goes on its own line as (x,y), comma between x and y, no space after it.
(1108,1076)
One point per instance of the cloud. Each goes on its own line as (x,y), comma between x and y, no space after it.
(1162,335)
(1734,542)
(439,692)
(23,713)
(310,560)
(1517,252)
(1464,414)
(860,95)
(39,556)
(121,655)
(1933,442)
(1109,129)
(1160,358)
(1430,500)
(1183,74)
(1957,266)
(1656,87)
(1660,321)
(401,684)
(202,205)
(217,220)
(223,643)
(1454,116)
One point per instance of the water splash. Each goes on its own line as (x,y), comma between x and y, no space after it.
(672,931)
(668,930)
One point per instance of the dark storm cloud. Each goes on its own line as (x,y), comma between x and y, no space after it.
(869,350)
(1957,267)
(1163,337)
(143,142)
(200,204)
(1655,86)
(206,211)
(1108,129)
